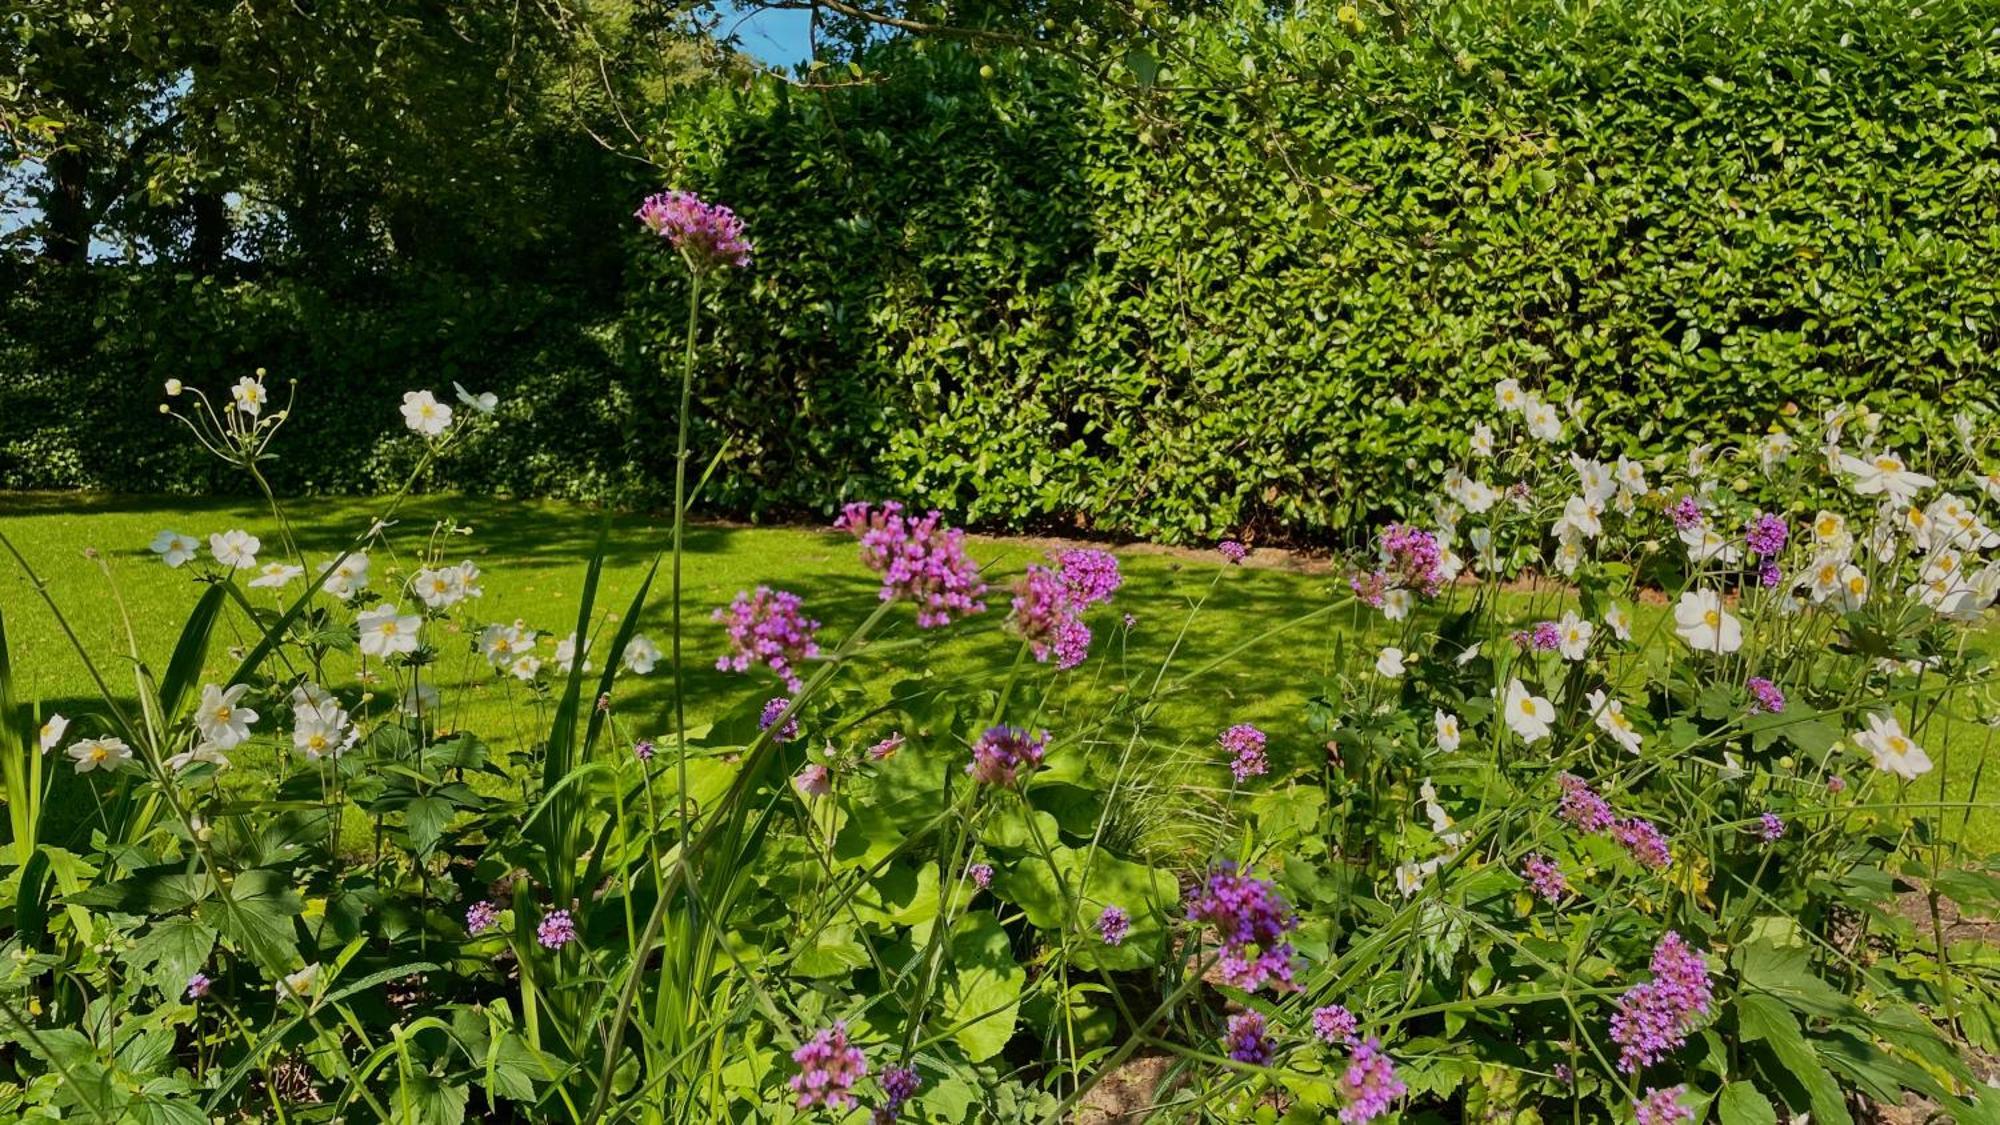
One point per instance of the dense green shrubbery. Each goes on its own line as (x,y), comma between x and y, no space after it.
(1025,301)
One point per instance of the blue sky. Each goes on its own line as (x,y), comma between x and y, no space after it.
(779,37)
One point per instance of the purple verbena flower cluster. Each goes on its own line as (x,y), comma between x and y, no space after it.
(1049,603)
(1686,513)
(1231,551)
(1412,559)
(1662,1107)
(1334,1024)
(1251,920)
(1546,636)
(1766,535)
(918,561)
(899,1085)
(1245,744)
(556,930)
(1369,1084)
(1765,696)
(772,709)
(1003,754)
(829,1066)
(480,916)
(1091,576)
(768,627)
(707,234)
(1545,878)
(1771,827)
(1582,806)
(982,875)
(1247,1040)
(1643,841)
(1657,1016)
(197,986)
(1113,925)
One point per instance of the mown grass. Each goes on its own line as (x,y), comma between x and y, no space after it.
(533,555)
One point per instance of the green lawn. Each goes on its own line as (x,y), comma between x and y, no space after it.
(533,556)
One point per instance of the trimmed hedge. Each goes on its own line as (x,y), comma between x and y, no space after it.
(1012,298)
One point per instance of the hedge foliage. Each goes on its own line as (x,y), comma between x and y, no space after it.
(1036,301)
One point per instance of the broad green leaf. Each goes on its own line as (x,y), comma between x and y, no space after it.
(983,993)
(1741,1104)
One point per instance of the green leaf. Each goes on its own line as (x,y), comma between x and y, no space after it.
(162,889)
(171,951)
(190,652)
(259,917)
(1741,1104)
(1763,1019)
(983,994)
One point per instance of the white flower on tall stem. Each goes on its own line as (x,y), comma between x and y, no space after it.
(106,753)
(524,667)
(641,655)
(52,732)
(1829,531)
(1446,725)
(276,576)
(1822,579)
(1580,516)
(1883,474)
(566,653)
(1594,480)
(1700,620)
(1631,477)
(485,402)
(468,580)
(321,732)
(222,719)
(1705,545)
(1573,636)
(300,986)
(236,549)
(1853,591)
(1509,396)
(1396,604)
(386,631)
(424,414)
(1569,554)
(1544,424)
(500,644)
(1527,715)
(348,577)
(250,396)
(439,588)
(1891,749)
(1609,715)
(1482,440)
(174,548)
(421,699)
(1389,662)
(204,752)
(1619,621)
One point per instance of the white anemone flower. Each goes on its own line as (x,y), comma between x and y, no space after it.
(386,631)
(1509,396)
(641,655)
(424,414)
(206,752)
(1891,749)
(276,576)
(174,548)
(1581,516)
(1704,544)
(250,396)
(346,578)
(1544,424)
(1619,620)
(99,753)
(1396,604)
(1482,440)
(1883,474)
(1446,725)
(236,549)
(1609,715)
(222,719)
(52,732)
(485,402)
(1700,620)
(439,588)
(1573,636)
(1853,593)
(1528,715)
(524,667)
(301,985)
(566,653)
(1389,662)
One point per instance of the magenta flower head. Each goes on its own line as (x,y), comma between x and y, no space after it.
(815,780)
(708,236)
(1003,754)
(1334,1024)
(1232,551)
(1250,919)
(1656,1017)
(1639,837)
(1686,513)
(829,1066)
(1247,1041)
(982,875)
(899,1085)
(1766,534)
(919,561)
(1662,1107)
(1113,925)
(1765,696)
(1413,559)
(198,986)
(1245,744)
(886,749)
(556,930)
(1090,576)
(772,709)
(770,628)
(480,916)
(1545,877)
(1582,806)
(1771,827)
(1369,1084)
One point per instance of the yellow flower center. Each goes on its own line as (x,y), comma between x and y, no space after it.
(1711,619)
(99,753)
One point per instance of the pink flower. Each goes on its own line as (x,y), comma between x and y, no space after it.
(1246,744)
(1004,753)
(918,561)
(708,235)
(556,930)
(829,1066)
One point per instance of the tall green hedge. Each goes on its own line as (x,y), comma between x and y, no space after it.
(1031,301)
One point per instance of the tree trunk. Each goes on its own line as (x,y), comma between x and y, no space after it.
(66,210)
